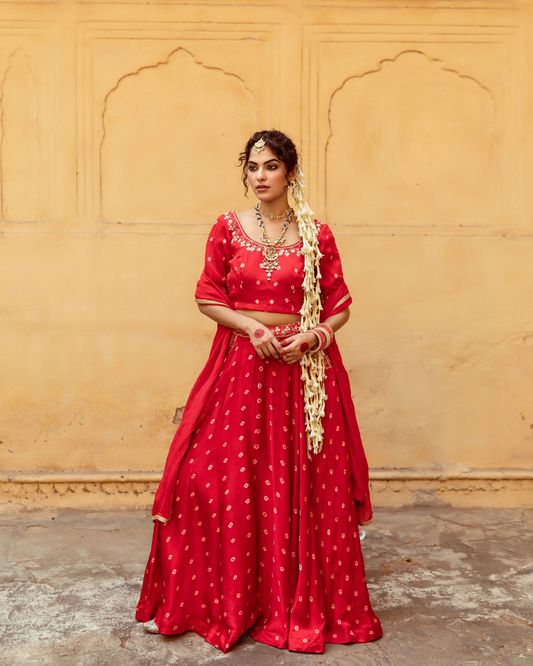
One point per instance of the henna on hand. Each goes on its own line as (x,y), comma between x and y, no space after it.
(304,347)
(259,333)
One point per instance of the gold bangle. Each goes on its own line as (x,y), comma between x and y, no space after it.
(325,335)
(318,331)
(329,328)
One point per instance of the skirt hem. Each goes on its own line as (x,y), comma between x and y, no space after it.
(210,635)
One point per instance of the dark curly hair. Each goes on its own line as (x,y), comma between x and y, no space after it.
(280,144)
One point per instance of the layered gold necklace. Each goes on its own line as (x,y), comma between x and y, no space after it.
(270,254)
(271,215)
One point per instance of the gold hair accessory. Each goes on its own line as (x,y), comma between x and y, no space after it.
(260,144)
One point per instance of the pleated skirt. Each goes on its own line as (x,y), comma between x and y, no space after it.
(261,538)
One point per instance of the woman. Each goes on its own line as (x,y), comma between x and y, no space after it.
(256,517)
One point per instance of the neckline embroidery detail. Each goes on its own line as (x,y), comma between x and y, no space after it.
(233,216)
(271,255)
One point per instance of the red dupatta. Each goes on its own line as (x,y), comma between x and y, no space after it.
(335,298)
(338,301)
(211,289)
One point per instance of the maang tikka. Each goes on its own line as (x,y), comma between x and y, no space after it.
(260,144)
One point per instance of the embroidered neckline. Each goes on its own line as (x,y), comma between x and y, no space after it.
(261,245)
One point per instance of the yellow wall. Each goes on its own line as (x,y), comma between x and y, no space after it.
(121,125)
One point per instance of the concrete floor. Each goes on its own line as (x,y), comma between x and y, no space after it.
(453,587)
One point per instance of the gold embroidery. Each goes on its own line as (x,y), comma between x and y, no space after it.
(367,522)
(231,342)
(163,520)
(204,301)
(327,361)
(284,331)
(342,300)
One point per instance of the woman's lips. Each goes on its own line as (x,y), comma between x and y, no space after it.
(262,188)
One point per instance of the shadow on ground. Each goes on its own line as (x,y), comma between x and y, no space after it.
(453,587)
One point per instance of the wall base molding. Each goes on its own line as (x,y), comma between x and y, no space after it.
(376,474)
(400,487)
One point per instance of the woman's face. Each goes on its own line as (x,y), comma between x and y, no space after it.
(267,175)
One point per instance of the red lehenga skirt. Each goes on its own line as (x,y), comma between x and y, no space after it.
(261,537)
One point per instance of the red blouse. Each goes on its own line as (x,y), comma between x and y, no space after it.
(233,276)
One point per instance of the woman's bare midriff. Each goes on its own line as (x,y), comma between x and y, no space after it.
(271,318)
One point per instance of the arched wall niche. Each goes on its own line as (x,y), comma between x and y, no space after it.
(421,145)
(19,159)
(166,156)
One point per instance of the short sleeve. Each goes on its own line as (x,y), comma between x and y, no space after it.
(212,286)
(333,288)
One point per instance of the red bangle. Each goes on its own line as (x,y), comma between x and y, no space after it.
(321,338)
(329,329)
(325,336)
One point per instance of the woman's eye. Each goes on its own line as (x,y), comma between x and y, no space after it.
(272,167)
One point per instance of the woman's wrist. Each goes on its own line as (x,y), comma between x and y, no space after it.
(250,326)
(311,339)
(324,335)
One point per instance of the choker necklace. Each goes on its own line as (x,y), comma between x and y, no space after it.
(270,254)
(271,215)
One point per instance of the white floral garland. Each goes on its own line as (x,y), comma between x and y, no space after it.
(313,368)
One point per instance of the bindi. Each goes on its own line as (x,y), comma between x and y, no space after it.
(259,333)
(304,347)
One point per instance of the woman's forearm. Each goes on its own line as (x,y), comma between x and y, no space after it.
(262,338)
(233,319)
(228,317)
(337,321)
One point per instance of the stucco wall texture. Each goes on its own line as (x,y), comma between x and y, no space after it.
(120,128)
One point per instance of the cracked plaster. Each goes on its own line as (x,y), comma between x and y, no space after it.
(442,581)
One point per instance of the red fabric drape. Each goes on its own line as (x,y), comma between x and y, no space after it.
(212,288)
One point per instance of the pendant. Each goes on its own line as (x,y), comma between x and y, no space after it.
(270,260)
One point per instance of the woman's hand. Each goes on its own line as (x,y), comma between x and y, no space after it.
(298,345)
(264,341)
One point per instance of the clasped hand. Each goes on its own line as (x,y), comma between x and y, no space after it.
(290,350)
